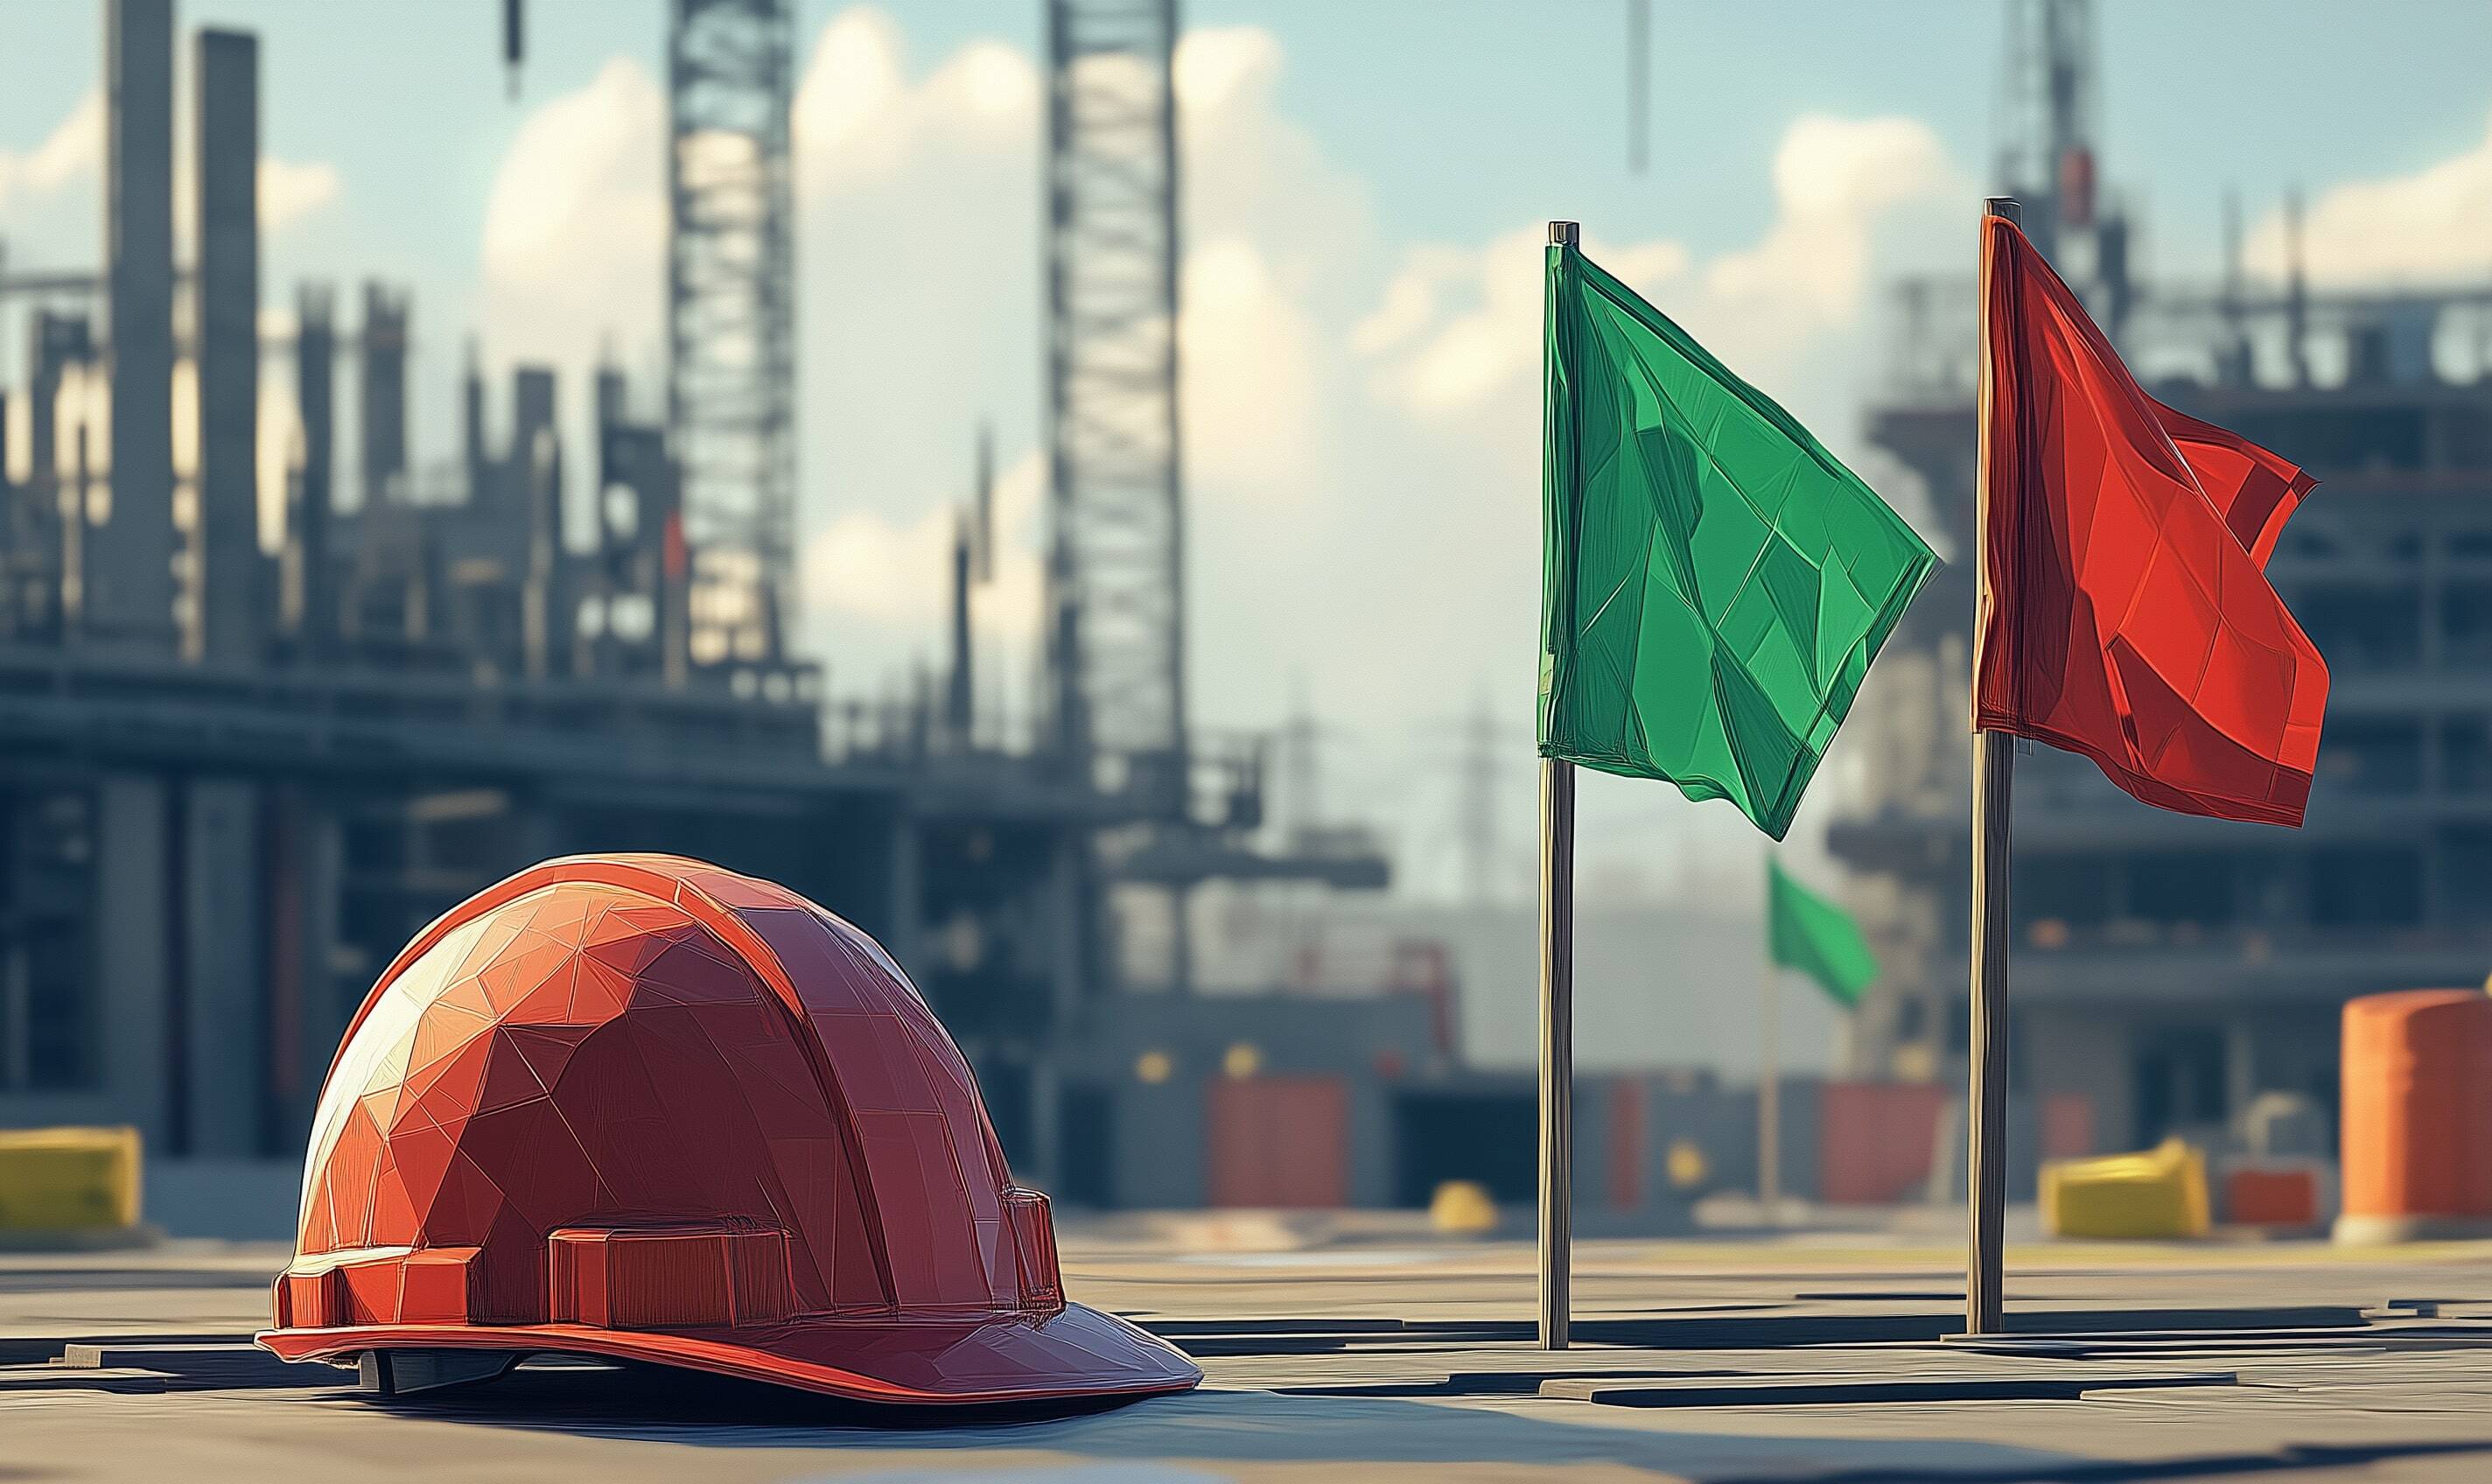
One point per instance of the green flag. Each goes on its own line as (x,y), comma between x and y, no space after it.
(1714,582)
(1805,931)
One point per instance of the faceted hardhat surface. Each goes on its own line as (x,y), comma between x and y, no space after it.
(645,1107)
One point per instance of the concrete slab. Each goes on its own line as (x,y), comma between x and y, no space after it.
(208,1366)
(1712,1360)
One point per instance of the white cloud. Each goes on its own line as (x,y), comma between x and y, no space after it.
(289,191)
(1253,173)
(1252,387)
(1456,333)
(574,223)
(1217,67)
(1410,305)
(1277,235)
(49,194)
(1467,324)
(917,247)
(880,585)
(72,150)
(867,565)
(2432,227)
(848,91)
(1836,183)
(858,120)
(918,238)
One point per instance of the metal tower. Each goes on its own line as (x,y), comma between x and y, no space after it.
(2050,98)
(2047,115)
(1115,567)
(730,318)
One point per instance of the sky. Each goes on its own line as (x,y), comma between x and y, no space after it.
(1366,190)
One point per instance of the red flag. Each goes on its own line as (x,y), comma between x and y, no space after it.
(2127,613)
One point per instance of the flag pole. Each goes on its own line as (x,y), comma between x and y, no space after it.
(1556,1017)
(1557,1046)
(1769,1089)
(1769,1103)
(1994,761)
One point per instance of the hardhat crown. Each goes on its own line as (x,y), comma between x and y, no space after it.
(641,1092)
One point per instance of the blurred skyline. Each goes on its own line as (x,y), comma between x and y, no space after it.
(1364,191)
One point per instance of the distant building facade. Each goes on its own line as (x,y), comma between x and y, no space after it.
(2168,968)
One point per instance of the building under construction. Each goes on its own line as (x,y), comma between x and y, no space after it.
(242,760)
(2168,969)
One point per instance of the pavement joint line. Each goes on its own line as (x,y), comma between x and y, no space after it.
(40,1350)
(1811,1391)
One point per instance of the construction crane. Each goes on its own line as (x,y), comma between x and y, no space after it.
(514,40)
(1638,84)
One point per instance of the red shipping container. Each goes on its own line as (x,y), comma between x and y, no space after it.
(1626,1144)
(2067,1126)
(1279,1141)
(2271,1198)
(1876,1141)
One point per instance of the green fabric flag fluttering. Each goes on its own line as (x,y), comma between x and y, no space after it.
(1805,931)
(1714,582)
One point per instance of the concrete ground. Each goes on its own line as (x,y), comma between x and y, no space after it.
(1376,1352)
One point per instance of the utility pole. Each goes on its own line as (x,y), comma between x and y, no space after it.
(1479,764)
(1299,744)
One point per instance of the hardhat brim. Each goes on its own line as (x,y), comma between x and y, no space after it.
(1080,1351)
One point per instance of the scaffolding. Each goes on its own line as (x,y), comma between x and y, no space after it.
(730,320)
(1115,569)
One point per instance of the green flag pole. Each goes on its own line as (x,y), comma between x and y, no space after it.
(1557,1047)
(1556,1017)
(1715,586)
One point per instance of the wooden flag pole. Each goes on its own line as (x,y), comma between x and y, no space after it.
(1994,761)
(1557,1047)
(1769,1082)
(1557,1020)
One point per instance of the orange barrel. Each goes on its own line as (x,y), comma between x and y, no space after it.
(2418,1118)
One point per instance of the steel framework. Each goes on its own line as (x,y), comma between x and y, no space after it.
(730,318)
(2047,103)
(1117,570)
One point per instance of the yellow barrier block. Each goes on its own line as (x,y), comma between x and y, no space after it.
(2160,1192)
(68,1179)
(1463,1209)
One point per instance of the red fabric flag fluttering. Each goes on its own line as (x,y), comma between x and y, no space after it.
(2128,614)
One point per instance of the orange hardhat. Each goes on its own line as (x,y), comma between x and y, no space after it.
(643,1107)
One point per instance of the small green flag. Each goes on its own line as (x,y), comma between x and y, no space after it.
(1805,931)
(1714,582)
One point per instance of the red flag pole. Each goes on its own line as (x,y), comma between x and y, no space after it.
(1557,1020)
(1994,761)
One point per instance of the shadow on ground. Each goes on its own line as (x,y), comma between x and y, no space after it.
(1213,1427)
